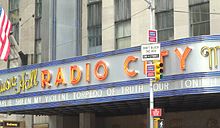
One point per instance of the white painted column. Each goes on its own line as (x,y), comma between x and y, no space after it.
(46,31)
(56,122)
(108,25)
(86,120)
(140,22)
(214,19)
(84,28)
(181,20)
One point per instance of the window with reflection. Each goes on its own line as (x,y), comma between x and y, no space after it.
(199,17)
(94,26)
(122,23)
(164,19)
(38,16)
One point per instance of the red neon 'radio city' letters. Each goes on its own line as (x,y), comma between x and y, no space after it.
(96,71)
(60,78)
(45,78)
(73,69)
(182,57)
(88,72)
(128,60)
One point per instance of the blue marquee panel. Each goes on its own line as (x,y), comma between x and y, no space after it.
(203,90)
(118,84)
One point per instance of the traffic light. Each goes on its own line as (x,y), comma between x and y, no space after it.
(158,70)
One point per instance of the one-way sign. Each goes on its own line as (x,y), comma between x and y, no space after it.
(150,52)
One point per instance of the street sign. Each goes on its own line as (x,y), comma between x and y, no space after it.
(152,36)
(150,52)
(156,112)
(150,71)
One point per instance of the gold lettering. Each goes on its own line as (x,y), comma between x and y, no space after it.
(3,88)
(26,84)
(13,81)
(11,124)
(33,80)
(207,52)
(7,85)
(21,86)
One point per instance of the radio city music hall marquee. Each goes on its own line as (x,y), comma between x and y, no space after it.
(114,68)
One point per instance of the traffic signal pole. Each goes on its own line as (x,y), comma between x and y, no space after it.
(151,6)
(151,103)
(152,26)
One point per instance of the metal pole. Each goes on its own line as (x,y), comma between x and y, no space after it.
(151,103)
(152,14)
(152,26)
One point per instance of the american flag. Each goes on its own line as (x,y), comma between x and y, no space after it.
(5,28)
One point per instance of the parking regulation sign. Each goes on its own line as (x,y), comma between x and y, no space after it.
(150,52)
(150,71)
(152,35)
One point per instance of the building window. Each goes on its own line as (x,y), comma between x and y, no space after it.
(14,17)
(94,26)
(38,15)
(122,23)
(164,19)
(199,17)
(13,59)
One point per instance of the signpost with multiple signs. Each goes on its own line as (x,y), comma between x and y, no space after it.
(150,52)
